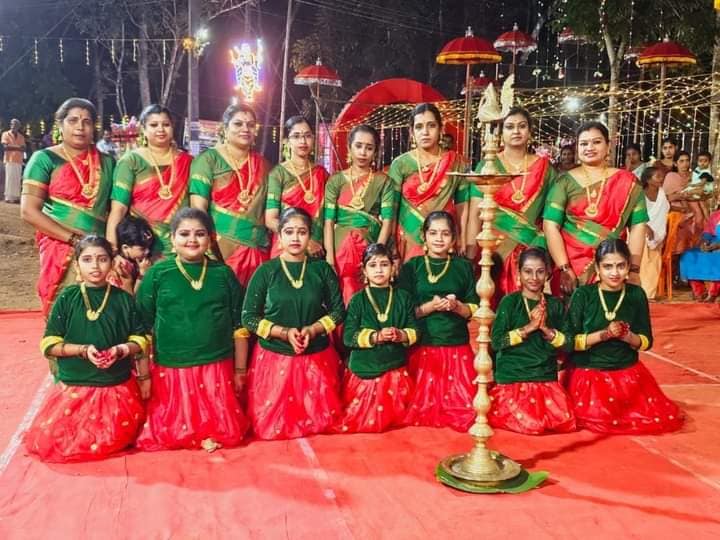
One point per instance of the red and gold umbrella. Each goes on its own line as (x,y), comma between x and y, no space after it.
(569,37)
(314,77)
(515,42)
(478,84)
(665,54)
(468,50)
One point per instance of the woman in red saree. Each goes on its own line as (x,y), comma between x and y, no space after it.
(151,182)
(588,204)
(359,208)
(230,182)
(65,195)
(520,202)
(424,183)
(297,183)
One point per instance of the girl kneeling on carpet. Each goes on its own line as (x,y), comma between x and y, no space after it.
(608,323)
(293,303)
(193,305)
(443,289)
(380,325)
(528,397)
(93,332)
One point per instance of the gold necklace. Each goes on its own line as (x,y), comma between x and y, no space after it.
(165,190)
(196,284)
(308,195)
(592,207)
(89,188)
(518,195)
(424,186)
(381,316)
(610,315)
(434,278)
(296,283)
(527,306)
(90,313)
(357,201)
(245,196)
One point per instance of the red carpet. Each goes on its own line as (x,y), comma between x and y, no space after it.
(381,486)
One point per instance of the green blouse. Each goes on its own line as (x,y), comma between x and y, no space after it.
(530,359)
(118,323)
(441,327)
(368,361)
(191,327)
(271,299)
(586,315)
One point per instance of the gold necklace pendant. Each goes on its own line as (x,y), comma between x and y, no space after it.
(357,203)
(244,197)
(309,197)
(422,187)
(296,283)
(165,192)
(382,316)
(591,210)
(518,197)
(90,313)
(434,278)
(196,284)
(89,191)
(610,315)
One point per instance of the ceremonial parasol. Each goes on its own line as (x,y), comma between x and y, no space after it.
(314,77)
(478,84)
(569,37)
(515,41)
(664,54)
(468,50)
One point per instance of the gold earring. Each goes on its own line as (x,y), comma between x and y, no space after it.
(412,143)
(425,248)
(451,251)
(349,158)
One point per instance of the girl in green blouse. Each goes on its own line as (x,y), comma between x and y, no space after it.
(93,332)
(193,305)
(293,304)
(380,325)
(607,324)
(528,397)
(443,290)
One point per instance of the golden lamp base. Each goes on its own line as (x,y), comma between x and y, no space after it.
(492,474)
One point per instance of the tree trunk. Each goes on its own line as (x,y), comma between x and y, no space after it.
(615,58)
(714,139)
(99,88)
(171,75)
(143,72)
(119,88)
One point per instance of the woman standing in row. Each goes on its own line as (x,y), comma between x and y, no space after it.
(298,183)
(424,183)
(293,303)
(230,182)
(520,202)
(359,204)
(443,289)
(65,195)
(588,204)
(151,182)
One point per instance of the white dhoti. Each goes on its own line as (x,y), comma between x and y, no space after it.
(13,181)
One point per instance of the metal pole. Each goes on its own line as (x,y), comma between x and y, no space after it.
(468,104)
(663,71)
(193,80)
(288,22)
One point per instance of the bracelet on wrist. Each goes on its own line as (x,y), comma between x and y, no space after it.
(144,377)
(241,371)
(564,267)
(634,268)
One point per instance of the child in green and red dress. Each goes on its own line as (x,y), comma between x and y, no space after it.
(93,333)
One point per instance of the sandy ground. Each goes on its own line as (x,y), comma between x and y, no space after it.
(18,261)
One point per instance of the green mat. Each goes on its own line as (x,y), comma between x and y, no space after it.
(525,481)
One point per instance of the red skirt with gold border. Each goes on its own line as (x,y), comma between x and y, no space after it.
(293,396)
(374,405)
(532,408)
(190,405)
(444,388)
(83,423)
(625,400)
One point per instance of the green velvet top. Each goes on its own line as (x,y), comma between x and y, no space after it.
(271,299)
(368,361)
(118,323)
(586,315)
(441,327)
(191,327)
(533,359)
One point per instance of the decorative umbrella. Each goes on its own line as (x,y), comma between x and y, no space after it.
(515,41)
(569,37)
(664,54)
(478,84)
(315,77)
(468,50)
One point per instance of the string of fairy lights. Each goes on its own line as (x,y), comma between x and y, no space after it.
(558,111)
